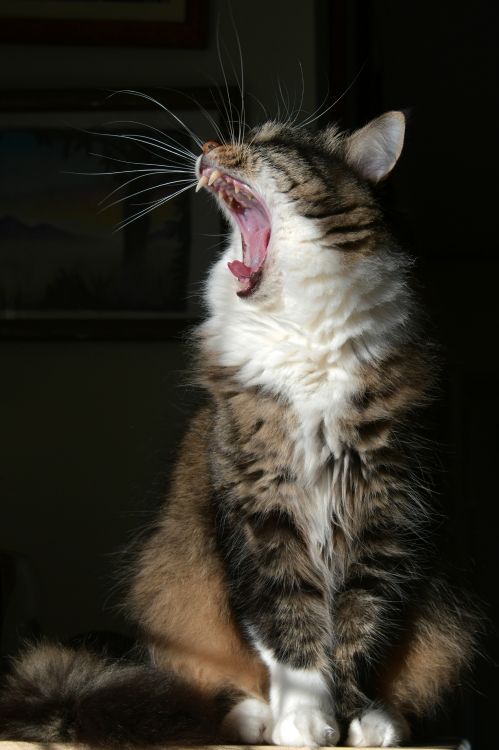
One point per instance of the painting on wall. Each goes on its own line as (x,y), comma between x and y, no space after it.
(165,23)
(97,220)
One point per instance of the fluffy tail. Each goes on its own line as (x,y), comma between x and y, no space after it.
(55,694)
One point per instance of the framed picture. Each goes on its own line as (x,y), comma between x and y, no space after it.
(101,231)
(165,23)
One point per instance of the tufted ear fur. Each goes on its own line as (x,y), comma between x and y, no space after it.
(374,149)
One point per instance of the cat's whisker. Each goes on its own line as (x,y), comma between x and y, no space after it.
(260,104)
(226,83)
(121,225)
(154,205)
(153,143)
(129,182)
(278,114)
(158,165)
(106,134)
(242,112)
(216,127)
(221,103)
(145,190)
(126,171)
(143,95)
(286,109)
(317,111)
(215,246)
(165,137)
(297,110)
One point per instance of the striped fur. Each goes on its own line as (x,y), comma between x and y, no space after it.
(290,564)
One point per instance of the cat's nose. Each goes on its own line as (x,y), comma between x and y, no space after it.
(209,146)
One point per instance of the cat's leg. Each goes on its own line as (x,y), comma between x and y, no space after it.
(358,623)
(283,603)
(438,642)
(301,705)
(280,592)
(367,613)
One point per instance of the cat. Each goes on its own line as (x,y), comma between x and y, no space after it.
(286,594)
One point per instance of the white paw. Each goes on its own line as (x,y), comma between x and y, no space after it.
(249,722)
(376,728)
(306,727)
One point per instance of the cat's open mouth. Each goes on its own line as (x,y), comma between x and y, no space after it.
(253,219)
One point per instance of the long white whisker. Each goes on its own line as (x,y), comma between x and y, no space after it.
(165,146)
(156,204)
(260,104)
(124,135)
(147,189)
(242,113)
(139,138)
(288,103)
(315,111)
(129,182)
(128,171)
(178,148)
(205,112)
(278,113)
(282,99)
(298,111)
(165,109)
(230,120)
(220,103)
(121,225)
(127,161)
(182,147)
(235,111)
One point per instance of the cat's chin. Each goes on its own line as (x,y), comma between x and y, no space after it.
(249,286)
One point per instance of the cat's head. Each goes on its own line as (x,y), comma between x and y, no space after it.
(285,191)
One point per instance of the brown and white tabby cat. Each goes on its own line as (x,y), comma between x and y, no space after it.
(286,594)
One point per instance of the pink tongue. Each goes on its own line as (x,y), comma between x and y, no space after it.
(254,250)
(255,235)
(241,270)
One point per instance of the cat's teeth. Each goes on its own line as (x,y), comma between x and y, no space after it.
(236,188)
(214,176)
(203,180)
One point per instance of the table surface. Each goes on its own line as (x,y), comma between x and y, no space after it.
(11,745)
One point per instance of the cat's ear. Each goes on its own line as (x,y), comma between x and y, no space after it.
(374,149)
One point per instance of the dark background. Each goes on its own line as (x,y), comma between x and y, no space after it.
(89,427)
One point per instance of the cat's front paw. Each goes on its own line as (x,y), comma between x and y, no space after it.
(306,727)
(377,728)
(249,722)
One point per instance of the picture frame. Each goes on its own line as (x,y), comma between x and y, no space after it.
(64,270)
(133,23)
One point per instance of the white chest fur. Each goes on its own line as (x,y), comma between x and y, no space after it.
(307,336)
(306,339)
